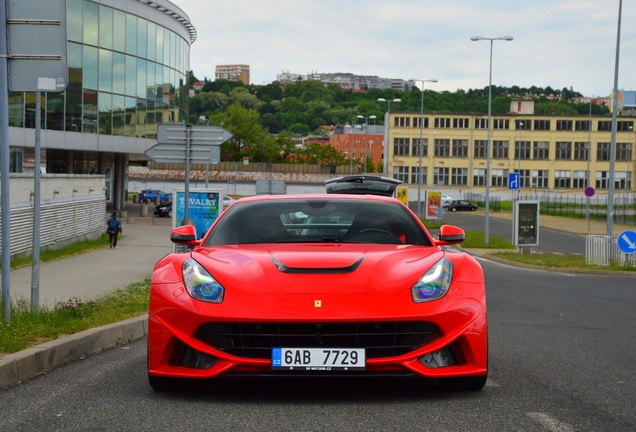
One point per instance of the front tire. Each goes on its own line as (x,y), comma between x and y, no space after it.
(454,209)
(163,384)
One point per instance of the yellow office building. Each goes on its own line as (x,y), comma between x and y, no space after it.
(551,153)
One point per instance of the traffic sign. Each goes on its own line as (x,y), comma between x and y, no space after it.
(513,181)
(589,191)
(199,134)
(627,241)
(170,153)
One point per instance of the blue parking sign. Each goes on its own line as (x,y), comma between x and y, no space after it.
(514,181)
(627,241)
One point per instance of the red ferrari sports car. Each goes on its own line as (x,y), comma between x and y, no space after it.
(328,285)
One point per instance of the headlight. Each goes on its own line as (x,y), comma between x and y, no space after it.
(435,282)
(200,283)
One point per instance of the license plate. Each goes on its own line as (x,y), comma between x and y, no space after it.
(319,359)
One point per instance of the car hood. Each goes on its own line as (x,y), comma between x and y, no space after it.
(324,268)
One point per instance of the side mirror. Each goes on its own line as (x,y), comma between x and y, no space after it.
(449,235)
(185,235)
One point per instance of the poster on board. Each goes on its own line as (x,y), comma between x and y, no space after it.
(204,206)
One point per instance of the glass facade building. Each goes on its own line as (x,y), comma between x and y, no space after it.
(127,65)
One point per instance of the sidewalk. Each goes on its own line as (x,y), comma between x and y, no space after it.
(93,274)
(87,276)
(570,225)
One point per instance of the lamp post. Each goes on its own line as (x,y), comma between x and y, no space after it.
(387,116)
(352,126)
(487,207)
(364,154)
(419,150)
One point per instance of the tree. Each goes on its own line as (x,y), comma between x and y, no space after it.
(322,154)
(247,132)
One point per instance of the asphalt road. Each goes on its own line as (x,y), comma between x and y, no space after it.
(562,359)
(549,240)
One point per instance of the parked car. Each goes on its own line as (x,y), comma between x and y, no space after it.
(165,210)
(257,296)
(149,195)
(362,185)
(446,200)
(460,205)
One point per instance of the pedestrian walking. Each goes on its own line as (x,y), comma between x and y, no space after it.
(113,230)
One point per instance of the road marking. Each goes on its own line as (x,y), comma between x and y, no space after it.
(549,422)
(522,268)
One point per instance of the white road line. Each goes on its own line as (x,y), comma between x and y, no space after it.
(549,422)
(478,258)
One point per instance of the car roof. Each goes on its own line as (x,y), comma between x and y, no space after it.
(362,185)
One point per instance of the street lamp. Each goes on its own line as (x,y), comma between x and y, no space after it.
(352,126)
(366,134)
(419,174)
(487,207)
(387,116)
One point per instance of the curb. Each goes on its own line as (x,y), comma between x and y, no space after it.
(511,263)
(42,358)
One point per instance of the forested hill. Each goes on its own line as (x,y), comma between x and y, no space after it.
(264,119)
(303,107)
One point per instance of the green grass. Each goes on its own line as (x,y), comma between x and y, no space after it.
(67,251)
(558,261)
(27,329)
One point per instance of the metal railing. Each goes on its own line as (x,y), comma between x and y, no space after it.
(603,250)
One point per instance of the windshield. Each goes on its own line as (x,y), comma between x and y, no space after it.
(318,220)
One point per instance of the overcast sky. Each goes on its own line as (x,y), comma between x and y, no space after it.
(557,43)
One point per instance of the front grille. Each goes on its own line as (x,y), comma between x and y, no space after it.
(256,340)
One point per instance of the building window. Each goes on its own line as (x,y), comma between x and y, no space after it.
(440,176)
(624,152)
(624,126)
(416,147)
(402,122)
(400,146)
(604,126)
(459,176)
(500,149)
(541,150)
(415,175)
(417,120)
(401,173)
(503,124)
(540,178)
(524,178)
(481,123)
(563,150)
(15,160)
(442,122)
(582,125)
(564,125)
(460,148)
(481,147)
(499,177)
(622,180)
(522,150)
(580,180)
(542,125)
(603,151)
(602,179)
(442,147)
(522,124)
(580,151)
(479,177)
(461,123)
(562,179)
